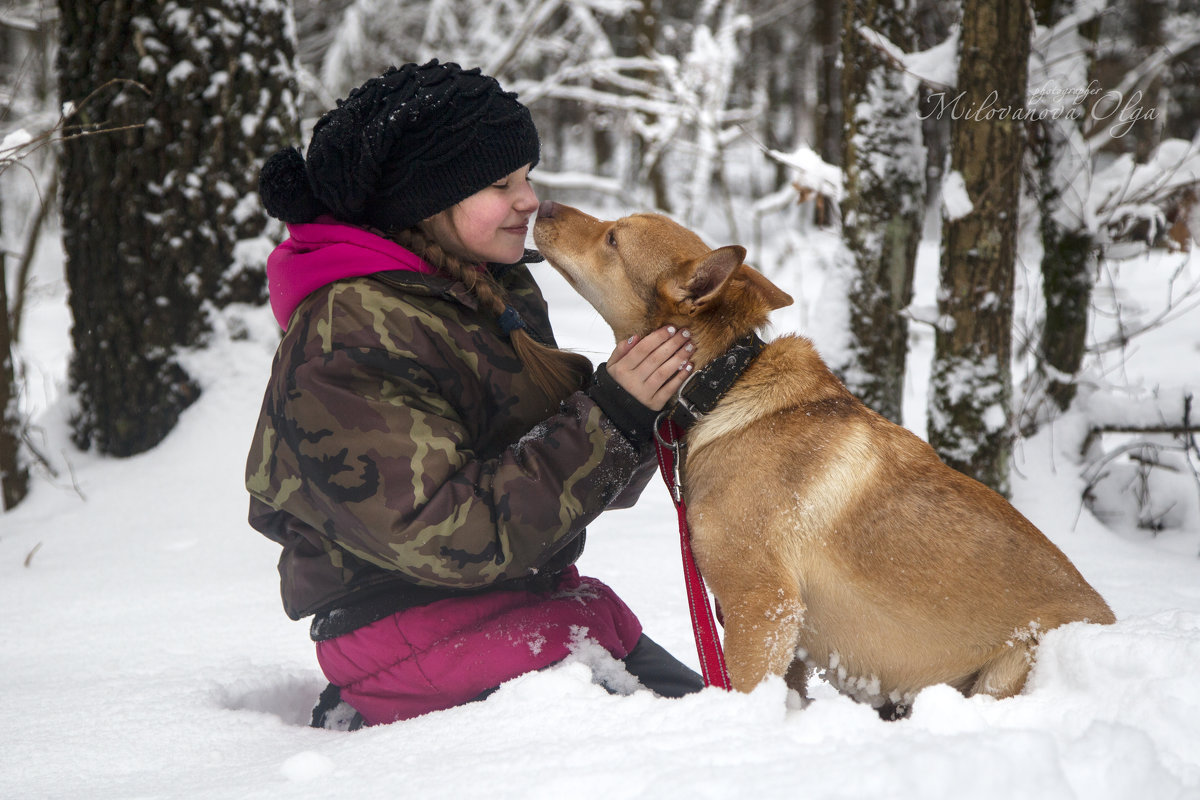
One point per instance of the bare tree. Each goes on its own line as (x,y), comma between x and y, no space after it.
(970,393)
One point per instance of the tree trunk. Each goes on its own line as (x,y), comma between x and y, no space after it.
(827,32)
(884,204)
(1068,249)
(14,473)
(153,214)
(971,392)
(26,84)
(1150,35)
(1068,270)
(646,27)
(934,22)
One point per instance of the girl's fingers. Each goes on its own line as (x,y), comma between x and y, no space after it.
(648,352)
(677,345)
(659,399)
(652,368)
(670,358)
(622,349)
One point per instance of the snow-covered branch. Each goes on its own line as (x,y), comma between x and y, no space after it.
(810,172)
(936,67)
(1127,193)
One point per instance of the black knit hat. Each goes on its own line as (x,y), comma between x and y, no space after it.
(402,147)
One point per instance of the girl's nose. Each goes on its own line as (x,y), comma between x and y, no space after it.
(526,200)
(527,203)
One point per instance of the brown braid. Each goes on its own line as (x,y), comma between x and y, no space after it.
(556,372)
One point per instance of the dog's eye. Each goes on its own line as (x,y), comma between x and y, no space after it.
(612,238)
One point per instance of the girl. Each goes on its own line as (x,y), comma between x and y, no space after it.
(425,455)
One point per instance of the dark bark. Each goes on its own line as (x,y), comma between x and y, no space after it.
(827,32)
(1150,35)
(1068,250)
(1068,270)
(971,393)
(646,29)
(152,214)
(14,474)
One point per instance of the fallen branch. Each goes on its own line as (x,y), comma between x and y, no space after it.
(1096,431)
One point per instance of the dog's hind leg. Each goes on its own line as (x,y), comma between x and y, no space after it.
(762,630)
(1004,674)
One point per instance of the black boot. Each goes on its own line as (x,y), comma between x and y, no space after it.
(332,714)
(660,671)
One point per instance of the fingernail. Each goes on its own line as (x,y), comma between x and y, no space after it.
(630,339)
(687,334)
(671,329)
(687,367)
(688,348)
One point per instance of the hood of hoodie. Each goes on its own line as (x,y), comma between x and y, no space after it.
(316,254)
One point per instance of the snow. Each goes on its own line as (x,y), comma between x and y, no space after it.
(956,201)
(13,142)
(147,654)
(180,73)
(811,172)
(937,66)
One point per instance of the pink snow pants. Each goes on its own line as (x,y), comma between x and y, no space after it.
(449,652)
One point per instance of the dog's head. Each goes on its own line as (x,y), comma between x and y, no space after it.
(644,271)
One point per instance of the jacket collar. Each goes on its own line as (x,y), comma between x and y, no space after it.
(323,251)
(441,285)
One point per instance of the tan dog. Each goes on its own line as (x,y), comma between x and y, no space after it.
(831,537)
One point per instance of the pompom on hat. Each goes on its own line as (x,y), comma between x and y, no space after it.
(402,147)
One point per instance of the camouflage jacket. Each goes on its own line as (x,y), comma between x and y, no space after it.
(402,452)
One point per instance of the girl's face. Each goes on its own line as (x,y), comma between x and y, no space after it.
(490,225)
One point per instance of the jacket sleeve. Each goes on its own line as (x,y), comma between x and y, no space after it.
(381,465)
(637,483)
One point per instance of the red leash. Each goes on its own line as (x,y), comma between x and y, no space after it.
(704,626)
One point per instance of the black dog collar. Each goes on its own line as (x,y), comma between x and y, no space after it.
(702,391)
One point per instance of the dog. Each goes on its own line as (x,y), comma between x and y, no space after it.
(832,538)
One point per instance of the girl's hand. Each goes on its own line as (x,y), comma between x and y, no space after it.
(653,367)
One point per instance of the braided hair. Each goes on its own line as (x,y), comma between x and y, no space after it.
(558,373)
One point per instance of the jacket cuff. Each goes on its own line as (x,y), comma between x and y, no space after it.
(631,417)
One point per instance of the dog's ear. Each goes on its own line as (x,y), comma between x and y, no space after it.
(709,275)
(772,294)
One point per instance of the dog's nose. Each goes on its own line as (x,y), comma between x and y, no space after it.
(547,208)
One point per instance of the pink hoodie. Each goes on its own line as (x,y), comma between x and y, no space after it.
(321,252)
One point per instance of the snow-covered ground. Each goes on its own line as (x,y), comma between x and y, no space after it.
(146,653)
